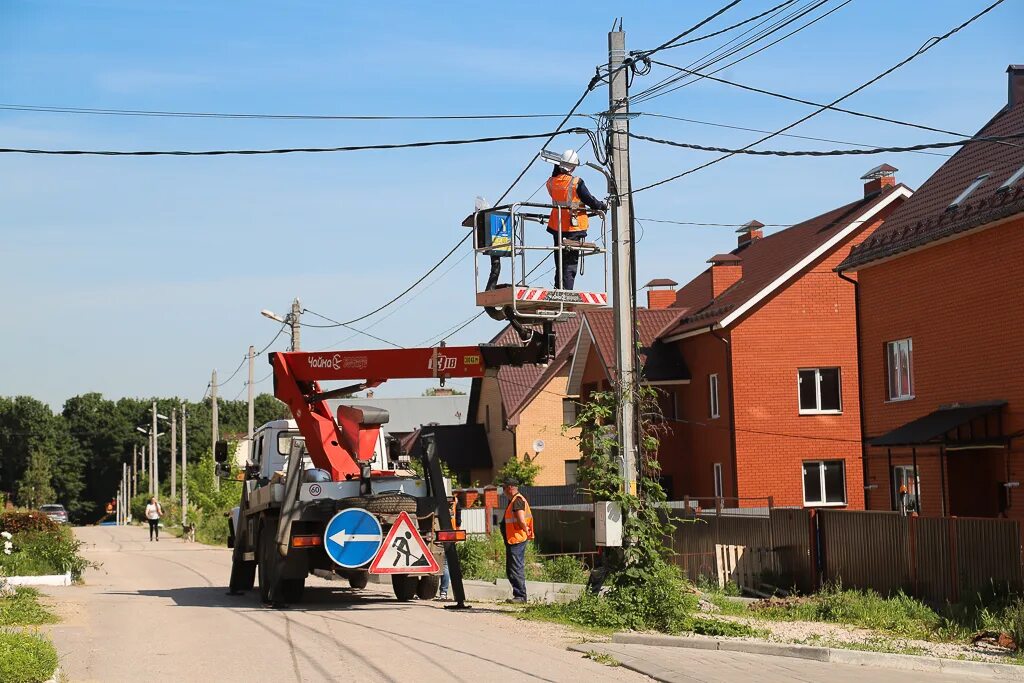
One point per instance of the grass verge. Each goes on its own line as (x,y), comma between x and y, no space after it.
(23,609)
(26,657)
(602,658)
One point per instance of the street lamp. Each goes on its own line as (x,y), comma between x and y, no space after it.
(291,320)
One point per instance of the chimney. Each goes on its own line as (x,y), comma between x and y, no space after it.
(661,293)
(1015,84)
(879,179)
(726,270)
(749,232)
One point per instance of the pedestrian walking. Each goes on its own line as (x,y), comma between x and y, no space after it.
(153,514)
(517,530)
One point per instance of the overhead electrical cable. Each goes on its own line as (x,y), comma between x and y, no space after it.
(294,150)
(761,130)
(287,117)
(928,45)
(702,22)
(714,225)
(828,152)
(644,53)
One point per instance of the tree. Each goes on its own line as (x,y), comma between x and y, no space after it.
(34,487)
(443,392)
(524,471)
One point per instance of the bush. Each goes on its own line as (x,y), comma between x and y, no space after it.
(20,521)
(40,553)
(26,658)
(565,569)
(23,609)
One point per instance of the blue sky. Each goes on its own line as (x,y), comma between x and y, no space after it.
(137,276)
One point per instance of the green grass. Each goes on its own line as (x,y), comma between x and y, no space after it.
(38,553)
(26,658)
(23,609)
(873,644)
(602,658)
(483,558)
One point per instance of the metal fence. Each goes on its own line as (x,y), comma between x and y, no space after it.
(474,520)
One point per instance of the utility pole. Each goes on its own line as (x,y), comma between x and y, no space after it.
(124,491)
(622,257)
(215,430)
(145,463)
(154,473)
(252,392)
(174,452)
(295,325)
(184,449)
(135,471)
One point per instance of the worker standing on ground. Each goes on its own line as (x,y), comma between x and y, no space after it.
(517,530)
(570,195)
(153,514)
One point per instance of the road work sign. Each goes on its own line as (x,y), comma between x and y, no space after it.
(404,551)
(352,538)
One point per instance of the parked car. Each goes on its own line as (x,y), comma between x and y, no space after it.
(55,512)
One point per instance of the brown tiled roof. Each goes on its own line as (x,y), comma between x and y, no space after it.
(924,217)
(651,323)
(661,282)
(517,384)
(763,261)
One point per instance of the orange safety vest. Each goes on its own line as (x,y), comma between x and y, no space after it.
(513,534)
(453,507)
(569,212)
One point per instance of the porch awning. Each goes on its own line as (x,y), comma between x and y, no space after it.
(932,428)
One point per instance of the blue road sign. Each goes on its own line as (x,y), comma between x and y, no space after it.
(352,538)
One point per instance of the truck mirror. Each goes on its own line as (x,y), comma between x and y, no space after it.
(220,451)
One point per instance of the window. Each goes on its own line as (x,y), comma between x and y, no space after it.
(962,197)
(900,359)
(906,489)
(718,480)
(713,395)
(819,390)
(570,471)
(569,411)
(824,482)
(284,441)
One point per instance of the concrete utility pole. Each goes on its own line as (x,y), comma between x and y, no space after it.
(252,392)
(623,276)
(135,471)
(184,449)
(154,486)
(124,491)
(174,452)
(215,430)
(145,463)
(295,324)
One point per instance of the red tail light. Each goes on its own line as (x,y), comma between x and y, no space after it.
(451,536)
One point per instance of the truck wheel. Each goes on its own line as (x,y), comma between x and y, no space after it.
(382,504)
(292,589)
(269,583)
(243,574)
(426,588)
(404,586)
(359,580)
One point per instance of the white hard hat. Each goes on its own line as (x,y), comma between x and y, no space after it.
(569,161)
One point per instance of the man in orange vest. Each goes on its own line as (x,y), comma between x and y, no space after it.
(570,196)
(517,530)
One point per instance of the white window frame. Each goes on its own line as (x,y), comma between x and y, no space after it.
(719,486)
(817,391)
(713,407)
(820,464)
(575,473)
(899,394)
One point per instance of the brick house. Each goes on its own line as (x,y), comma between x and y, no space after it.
(522,406)
(941,314)
(768,334)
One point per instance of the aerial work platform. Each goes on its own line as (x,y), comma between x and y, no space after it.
(528,256)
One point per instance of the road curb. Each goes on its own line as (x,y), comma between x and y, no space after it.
(830,654)
(539,591)
(47,580)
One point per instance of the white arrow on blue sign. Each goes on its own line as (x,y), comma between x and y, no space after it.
(352,538)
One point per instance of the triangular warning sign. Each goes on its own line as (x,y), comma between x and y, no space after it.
(403,551)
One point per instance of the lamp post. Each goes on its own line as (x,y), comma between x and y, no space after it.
(292,320)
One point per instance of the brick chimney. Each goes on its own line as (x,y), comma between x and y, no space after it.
(726,270)
(661,293)
(1015,84)
(879,179)
(749,232)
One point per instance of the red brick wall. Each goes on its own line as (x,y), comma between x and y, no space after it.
(961,302)
(660,298)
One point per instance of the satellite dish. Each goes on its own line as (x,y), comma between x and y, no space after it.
(538,445)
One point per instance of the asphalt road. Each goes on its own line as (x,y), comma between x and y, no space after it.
(159,612)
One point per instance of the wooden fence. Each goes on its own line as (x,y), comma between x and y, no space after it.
(937,559)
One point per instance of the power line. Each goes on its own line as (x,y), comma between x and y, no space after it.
(830,152)
(643,53)
(289,117)
(669,43)
(790,98)
(294,150)
(707,60)
(713,225)
(761,130)
(932,42)
(335,323)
